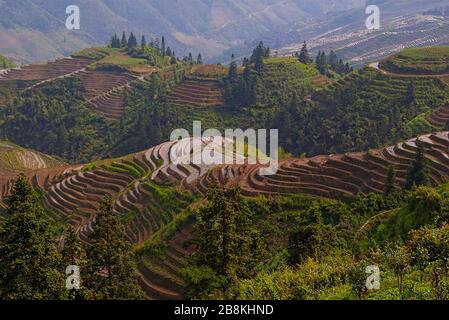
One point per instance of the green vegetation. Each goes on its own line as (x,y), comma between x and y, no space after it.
(320,249)
(111,268)
(27,233)
(430,60)
(5,63)
(33,267)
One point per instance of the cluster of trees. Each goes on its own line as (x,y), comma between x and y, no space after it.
(34,255)
(324,62)
(158,44)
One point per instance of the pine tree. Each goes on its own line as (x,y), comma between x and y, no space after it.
(233,73)
(124,42)
(30,265)
(227,242)
(199,60)
(157,45)
(333,61)
(111,266)
(417,175)
(132,41)
(259,53)
(115,41)
(304,56)
(163,46)
(73,254)
(391,181)
(169,52)
(143,43)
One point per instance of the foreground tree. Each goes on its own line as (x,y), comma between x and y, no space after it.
(391,181)
(111,269)
(30,266)
(73,254)
(304,56)
(229,246)
(417,174)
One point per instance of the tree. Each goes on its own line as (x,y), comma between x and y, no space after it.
(398,258)
(417,173)
(304,56)
(199,60)
(233,73)
(259,53)
(115,42)
(311,237)
(73,254)
(143,43)
(30,266)
(163,46)
(169,52)
(357,278)
(228,244)
(132,41)
(322,62)
(391,181)
(111,266)
(124,42)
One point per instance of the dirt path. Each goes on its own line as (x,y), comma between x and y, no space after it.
(383,214)
(376,65)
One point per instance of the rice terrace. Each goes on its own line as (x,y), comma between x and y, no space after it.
(91,181)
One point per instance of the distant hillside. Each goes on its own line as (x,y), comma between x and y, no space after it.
(15,159)
(404,24)
(33,30)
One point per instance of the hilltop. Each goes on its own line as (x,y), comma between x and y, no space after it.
(420,61)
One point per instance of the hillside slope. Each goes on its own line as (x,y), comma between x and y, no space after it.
(404,24)
(33,30)
(153,195)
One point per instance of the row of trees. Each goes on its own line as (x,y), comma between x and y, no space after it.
(34,256)
(156,43)
(324,62)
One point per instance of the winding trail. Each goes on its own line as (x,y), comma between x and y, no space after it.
(376,65)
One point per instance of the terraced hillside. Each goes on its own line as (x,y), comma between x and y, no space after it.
(14,160)
(440,117)
(428,60)
(197,93)
(146,188)
(45,72)
(284,76)
(105,91)
(341,175)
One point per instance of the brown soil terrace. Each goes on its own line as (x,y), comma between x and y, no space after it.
(74,195)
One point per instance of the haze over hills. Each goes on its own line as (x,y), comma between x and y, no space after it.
(404,24)
(33,30)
